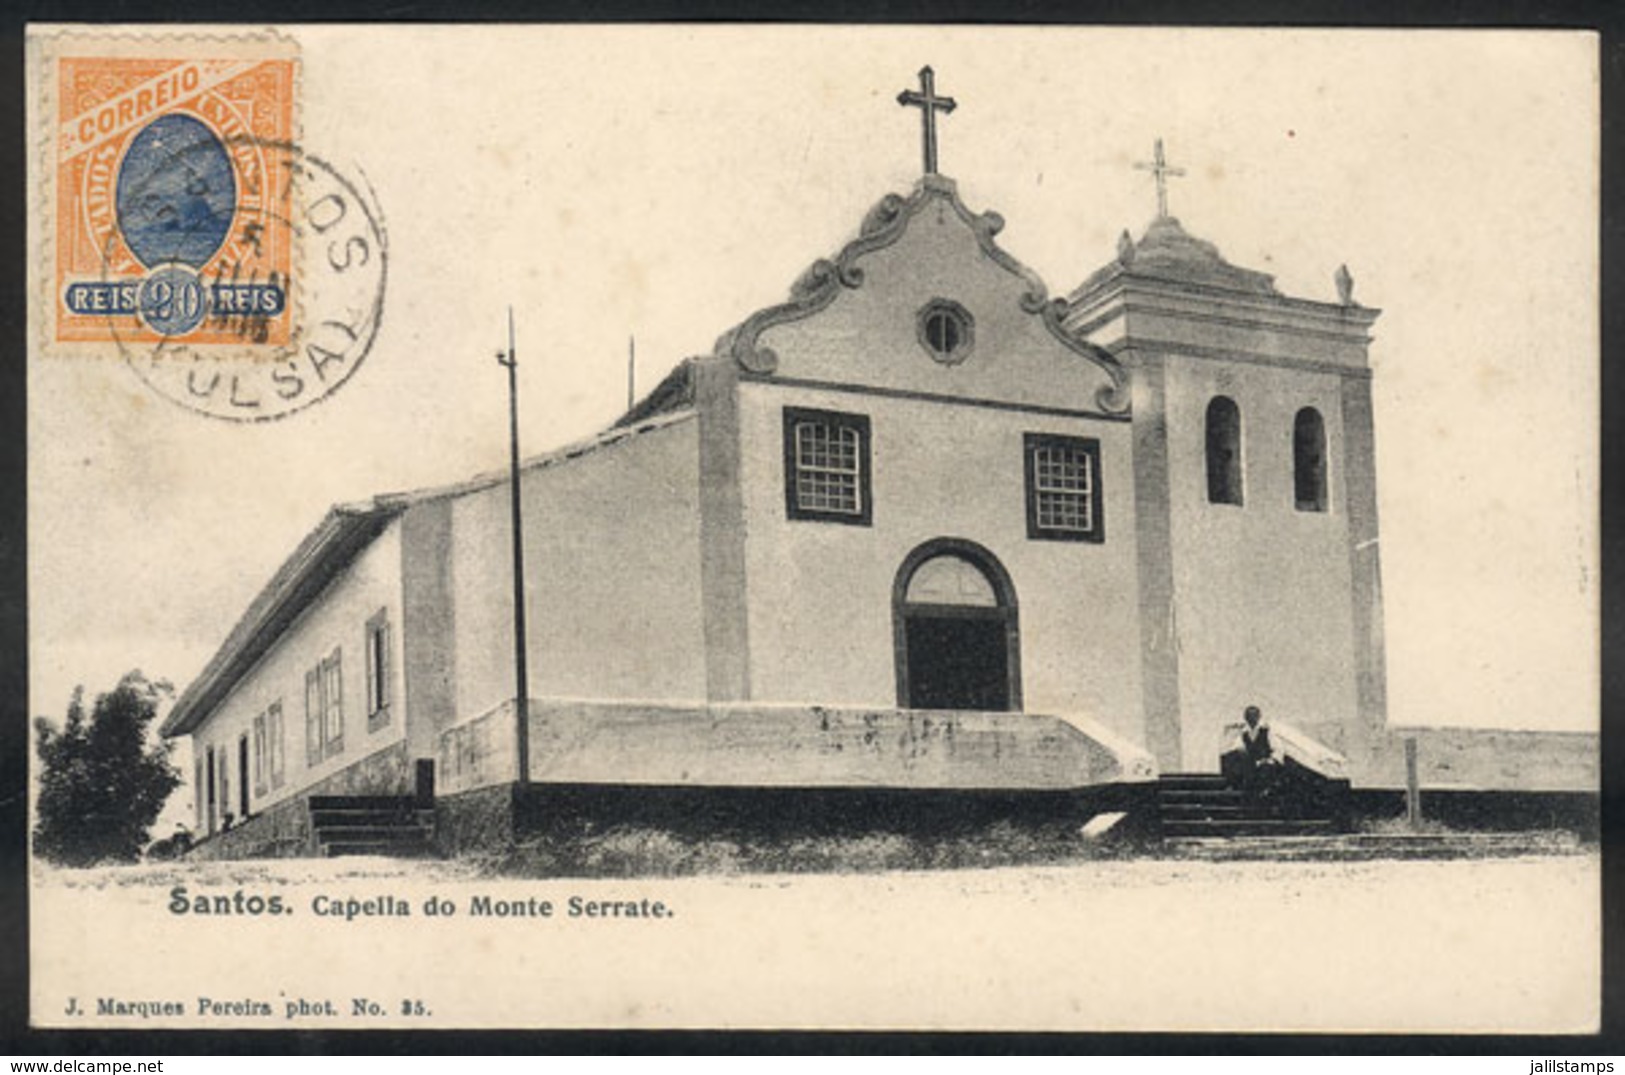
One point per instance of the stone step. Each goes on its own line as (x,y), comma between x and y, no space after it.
(357,816)
(1238,827)
(391,825)
(1360,846)
(1180,811)
(390,849)
(371,833)
(362,802)
(1199,795)
(1192,782)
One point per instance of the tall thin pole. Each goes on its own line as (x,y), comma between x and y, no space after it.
(1413,787)
(631,372)
(510,359)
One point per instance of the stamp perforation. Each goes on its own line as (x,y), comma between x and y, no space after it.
(206,221)
(57,330)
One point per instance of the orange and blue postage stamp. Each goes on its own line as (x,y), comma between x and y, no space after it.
(182,226)
(167,169)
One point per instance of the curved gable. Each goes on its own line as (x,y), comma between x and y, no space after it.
(863,317)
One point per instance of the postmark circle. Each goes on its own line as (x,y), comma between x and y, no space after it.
(242,345)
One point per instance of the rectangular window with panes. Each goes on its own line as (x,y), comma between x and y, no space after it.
(826,466)
(1063,488)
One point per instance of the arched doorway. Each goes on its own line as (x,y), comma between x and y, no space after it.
(957,639)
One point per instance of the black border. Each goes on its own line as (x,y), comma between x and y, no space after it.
(1604,16)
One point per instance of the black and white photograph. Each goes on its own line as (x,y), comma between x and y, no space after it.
(813,527)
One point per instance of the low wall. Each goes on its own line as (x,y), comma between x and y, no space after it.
(587,742)
(580,811)
(283,829)
(1486,759)
(385,772)
(626,830)
(477,753)
(1486,811)
(478,820)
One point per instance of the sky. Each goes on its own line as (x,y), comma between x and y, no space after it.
(667,182)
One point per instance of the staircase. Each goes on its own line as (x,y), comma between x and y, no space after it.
(1204,806)
(392,825)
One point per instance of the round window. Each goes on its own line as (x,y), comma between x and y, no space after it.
(945,331)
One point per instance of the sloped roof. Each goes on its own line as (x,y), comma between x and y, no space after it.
(326,550)
(1168,252)
(675,392)
(336,541)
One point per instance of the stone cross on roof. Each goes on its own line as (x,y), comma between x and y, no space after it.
(1160,168)
(929,105)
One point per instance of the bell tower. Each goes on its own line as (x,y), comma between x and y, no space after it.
(1255,493)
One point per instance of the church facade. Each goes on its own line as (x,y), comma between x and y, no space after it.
(922,525)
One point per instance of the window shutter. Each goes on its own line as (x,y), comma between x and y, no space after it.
(259,753)
(313,716)
(335,705)
(384,671)
(275,732)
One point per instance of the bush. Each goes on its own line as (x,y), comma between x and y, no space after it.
(102,784)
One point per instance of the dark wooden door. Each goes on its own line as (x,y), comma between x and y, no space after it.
(213,798)
(242,776)
(957,660)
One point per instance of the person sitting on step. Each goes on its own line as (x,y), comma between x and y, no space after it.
(1251,764)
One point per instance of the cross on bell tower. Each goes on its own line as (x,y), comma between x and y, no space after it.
(1160,168)
(929,105)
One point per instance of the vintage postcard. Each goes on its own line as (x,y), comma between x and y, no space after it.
(813,527)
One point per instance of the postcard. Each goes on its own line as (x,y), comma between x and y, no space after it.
(985,528)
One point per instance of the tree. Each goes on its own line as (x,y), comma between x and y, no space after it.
(102,784)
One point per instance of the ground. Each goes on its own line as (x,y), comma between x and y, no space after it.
(1497,944)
